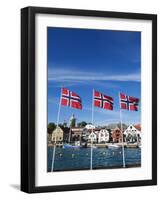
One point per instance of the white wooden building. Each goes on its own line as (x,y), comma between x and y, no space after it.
(132,134)
(90,127)
(103,136)
(57,135)
(92,137)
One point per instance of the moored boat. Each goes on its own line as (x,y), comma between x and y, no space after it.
(132,145)
(113,146)
(65,146)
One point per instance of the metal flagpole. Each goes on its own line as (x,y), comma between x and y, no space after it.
(92,130)
(57,123)
(69,138)
(123,152)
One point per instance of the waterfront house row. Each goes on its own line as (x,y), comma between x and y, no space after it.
(94,134)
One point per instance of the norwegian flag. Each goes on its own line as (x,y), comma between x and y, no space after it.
(103,101)
(70,99)
(128,103)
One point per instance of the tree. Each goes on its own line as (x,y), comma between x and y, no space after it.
(82,124)
(61,126)
(72,121)
(51,127)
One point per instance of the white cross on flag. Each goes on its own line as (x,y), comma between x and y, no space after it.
(103,101)
(70,99)
(128,103)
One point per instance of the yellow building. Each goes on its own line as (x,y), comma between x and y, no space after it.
(57,135)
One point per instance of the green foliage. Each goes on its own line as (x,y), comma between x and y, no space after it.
(72,122)
(65,124)
(61,126)
(51,127)
(82,124)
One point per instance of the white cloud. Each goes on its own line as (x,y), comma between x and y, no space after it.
(80,77)
(113,116)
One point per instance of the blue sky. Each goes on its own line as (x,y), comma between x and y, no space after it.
(83,59)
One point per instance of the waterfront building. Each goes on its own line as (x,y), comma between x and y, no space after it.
(90,127)
(103,136)
(138,127)
(49,138)
(116,135)
(76,134)
(92,137)
(66,134)
(133,134)
(57,135)
(85,135)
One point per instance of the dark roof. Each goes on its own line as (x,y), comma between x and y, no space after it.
(66,129)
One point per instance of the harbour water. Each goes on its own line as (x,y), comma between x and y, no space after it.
(103,158)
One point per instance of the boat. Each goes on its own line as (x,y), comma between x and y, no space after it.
(65,146)
(132,145)
(84,145)
(92,146)
(113,146)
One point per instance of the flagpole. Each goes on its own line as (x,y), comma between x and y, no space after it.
(69,138)
(123,152)
(92,131)
(57,123)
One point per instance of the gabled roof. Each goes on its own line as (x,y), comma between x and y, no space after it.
(133,128)
(116,129)
(90,126)
(58,128)
(66,129)
(138,127)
